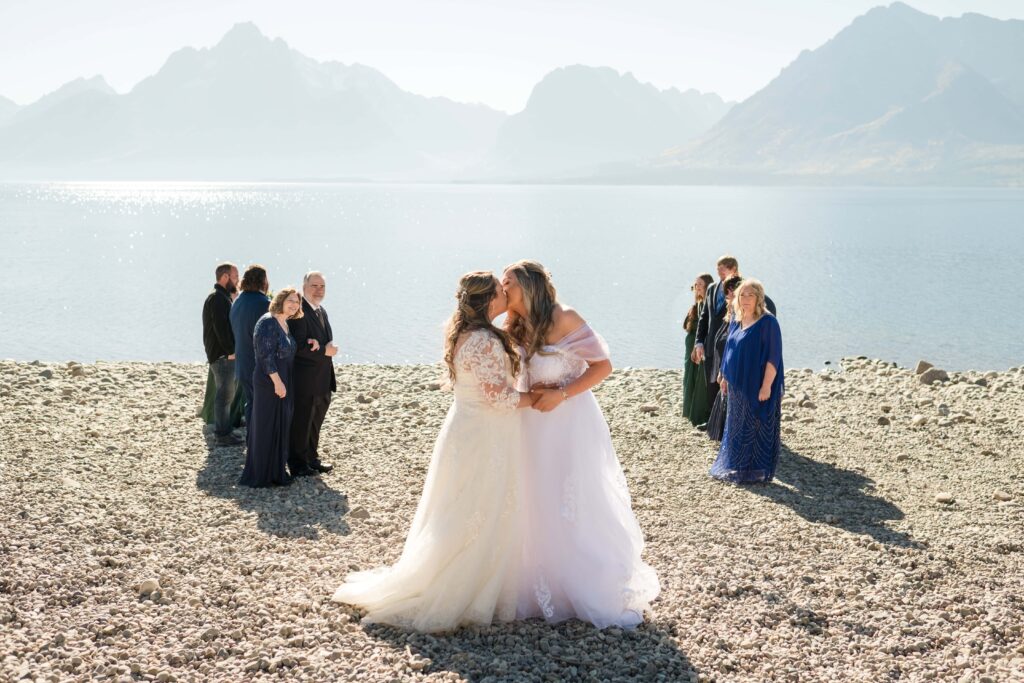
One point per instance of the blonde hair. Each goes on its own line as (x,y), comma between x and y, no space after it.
(277,303)
(476,290)
(758,290)
(539,299)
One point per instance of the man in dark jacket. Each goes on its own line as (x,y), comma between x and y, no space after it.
(313,377)
(220,350)
(248,308)
(712,317)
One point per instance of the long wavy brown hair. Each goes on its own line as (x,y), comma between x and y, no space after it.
(474,296)
(690,324)
(539,299)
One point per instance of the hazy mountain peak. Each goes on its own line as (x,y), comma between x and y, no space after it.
(96,84)
(244,30)
(7,109)
(581,116)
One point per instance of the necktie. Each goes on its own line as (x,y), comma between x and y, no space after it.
(320,316)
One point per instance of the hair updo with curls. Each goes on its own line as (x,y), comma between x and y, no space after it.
(476,290)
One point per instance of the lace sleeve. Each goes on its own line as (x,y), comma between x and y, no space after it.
(264,342)
(483,355)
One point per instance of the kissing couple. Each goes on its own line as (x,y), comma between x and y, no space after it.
(524,513)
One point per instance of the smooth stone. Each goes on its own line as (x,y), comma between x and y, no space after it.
(919,421)
(945,498)
(149,586)
(1002,495)
(934,375)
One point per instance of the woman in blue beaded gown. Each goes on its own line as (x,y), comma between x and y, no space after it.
(272,402)
(582,545)
(752,375)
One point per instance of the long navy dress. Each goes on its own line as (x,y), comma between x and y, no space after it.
(271,416)
(752,439)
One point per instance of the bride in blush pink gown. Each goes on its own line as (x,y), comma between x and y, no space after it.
(581,542)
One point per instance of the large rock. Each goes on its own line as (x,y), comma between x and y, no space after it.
(922,366)
(932,375)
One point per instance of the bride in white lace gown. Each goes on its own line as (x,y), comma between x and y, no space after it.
(581,541)
(460,560)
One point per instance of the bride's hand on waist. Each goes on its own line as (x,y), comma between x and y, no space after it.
(543,385)
(547,399)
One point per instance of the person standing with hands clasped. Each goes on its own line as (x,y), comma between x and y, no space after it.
(314,379)
(272,402)
(752,381)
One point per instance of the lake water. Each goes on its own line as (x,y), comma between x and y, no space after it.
(119,270)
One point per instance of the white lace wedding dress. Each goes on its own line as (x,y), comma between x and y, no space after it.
(581,541)
(461,557)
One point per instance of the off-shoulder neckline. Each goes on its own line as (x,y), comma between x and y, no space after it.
(567,335)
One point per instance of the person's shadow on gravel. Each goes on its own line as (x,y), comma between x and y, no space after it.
(535,651)
(825,494)
(303,509)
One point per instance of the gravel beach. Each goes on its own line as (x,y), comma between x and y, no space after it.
(890,547)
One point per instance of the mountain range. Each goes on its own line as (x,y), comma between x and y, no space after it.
(897,97)
(252,108)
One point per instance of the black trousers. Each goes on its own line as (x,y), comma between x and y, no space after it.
(304,440)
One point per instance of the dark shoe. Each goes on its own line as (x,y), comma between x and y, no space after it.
(303,472)
(703,426)
(322,468)
(229,440)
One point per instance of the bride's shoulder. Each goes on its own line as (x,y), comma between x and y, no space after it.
(565,320)
(474,340)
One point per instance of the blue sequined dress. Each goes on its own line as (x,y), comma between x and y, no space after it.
(271,416)
(752,438)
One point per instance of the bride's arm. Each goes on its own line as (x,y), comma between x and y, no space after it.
(549,399)
(484,355)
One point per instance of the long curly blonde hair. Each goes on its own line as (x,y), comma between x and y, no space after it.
(476,289)
(539,299)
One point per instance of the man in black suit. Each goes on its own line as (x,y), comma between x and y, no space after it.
(312,378)
(712,318)
(219,343)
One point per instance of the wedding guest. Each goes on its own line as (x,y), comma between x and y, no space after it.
(272,401)
(695,387)
(250,305)
(716,418)
(710,320)
(314,378)
(219,343)
(752,380)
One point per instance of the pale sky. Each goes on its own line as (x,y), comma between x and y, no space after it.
(469,50)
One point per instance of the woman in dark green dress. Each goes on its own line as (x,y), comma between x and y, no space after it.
(695,389)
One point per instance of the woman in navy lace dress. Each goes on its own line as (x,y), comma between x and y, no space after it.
(752,380)
(272,402)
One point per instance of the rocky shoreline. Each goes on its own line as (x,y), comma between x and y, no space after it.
(890,547)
